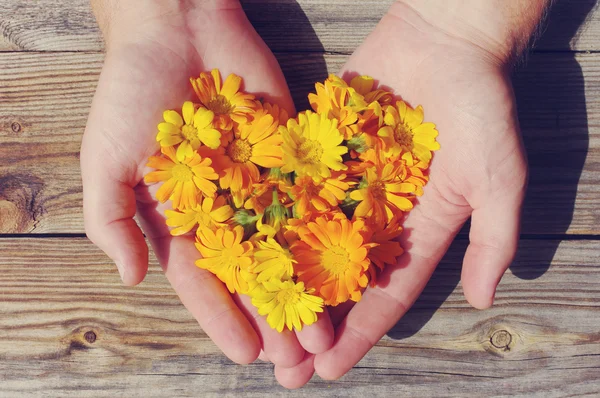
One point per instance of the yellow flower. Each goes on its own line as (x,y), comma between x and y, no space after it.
(208,212)
(255,144)
(183,180)
(228,103)
(225,255)
(332,258)
(311,146)
(309,195)
(190,132)
(404,130)
(286,304)
(364,86)
(383,194)
(272,261)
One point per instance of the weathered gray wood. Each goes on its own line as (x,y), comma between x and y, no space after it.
(68,328)
(44,101)
(286,25)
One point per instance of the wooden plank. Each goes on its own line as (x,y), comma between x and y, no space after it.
(68,328)
(44,101)
(286,25)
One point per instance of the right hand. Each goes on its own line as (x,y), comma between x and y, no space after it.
(153,48)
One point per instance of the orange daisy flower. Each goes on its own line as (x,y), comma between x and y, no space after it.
(254,144)
(383,194)
(309,195)
(225,255)
(388,248)
(332,259)
(183,180)
(228,103)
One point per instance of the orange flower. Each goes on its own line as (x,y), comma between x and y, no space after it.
(332,259)
(254,144)
(208,212)
(309,195)
(383,193)
(225,255)
(228,103)
(388,249)
(183,180)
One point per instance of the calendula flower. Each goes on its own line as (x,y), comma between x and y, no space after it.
(183,180)
(272,261)
(311,146)
(262,192)
(226,100)
(332,258)
(286,304)
(382,193)
(321,196)
(364,86)
(404,130)
(190,132)
(388,248)
(255,144)
(225,255)
(209,212)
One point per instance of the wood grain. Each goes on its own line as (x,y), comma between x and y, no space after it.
(285,25)
(45,97)
(68,328)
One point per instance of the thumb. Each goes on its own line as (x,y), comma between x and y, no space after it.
(109,206)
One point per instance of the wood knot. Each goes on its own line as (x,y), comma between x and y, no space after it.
(90,336)
(20,205)
(16,127)
(501,339)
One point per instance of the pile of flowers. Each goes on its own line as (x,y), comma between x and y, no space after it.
(297,212)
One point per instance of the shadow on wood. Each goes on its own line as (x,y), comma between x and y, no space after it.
(298,29)
(543,117)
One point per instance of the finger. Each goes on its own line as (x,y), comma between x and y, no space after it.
(202,293)
(318,337)
(493,243)
(426,239)
(283,349)
(108,207)
(263,357)
(297,376)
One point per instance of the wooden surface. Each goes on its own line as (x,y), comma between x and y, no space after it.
(68,327)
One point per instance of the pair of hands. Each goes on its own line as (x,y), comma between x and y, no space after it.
(479,172)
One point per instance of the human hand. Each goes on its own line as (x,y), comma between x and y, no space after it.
(461,77)
(153,48)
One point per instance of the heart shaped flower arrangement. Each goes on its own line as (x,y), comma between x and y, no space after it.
(298,212)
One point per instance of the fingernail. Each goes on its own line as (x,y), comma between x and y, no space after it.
(121,268)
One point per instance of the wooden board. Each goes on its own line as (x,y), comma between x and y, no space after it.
(45,99)
(286,25)
(68,328)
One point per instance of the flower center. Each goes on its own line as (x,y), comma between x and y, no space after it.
(220,105)
(203,218)
(310,151)
(403,136)
(378,190)
(182,172)
(335,260)
(189,132)
(288,296)
(240,151)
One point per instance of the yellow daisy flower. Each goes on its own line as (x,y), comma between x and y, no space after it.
(225,255)
(190,132)
(404,130)
(332,258)
(364,86)
(286,304)
(383,194)
(309,195)
(311,146)
(255,144)
(183,180)
(272,261)
(228,103)
(209,212)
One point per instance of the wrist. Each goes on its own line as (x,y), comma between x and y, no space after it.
(125,21)
(500,28)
